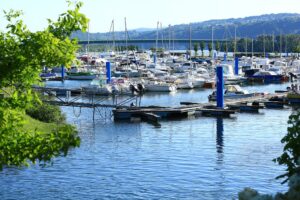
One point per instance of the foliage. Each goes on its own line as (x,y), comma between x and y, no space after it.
(291,150)
(46,113)
(18,146)
(22,55)
(218,46)
(209,46)
(196,48)
(202,46)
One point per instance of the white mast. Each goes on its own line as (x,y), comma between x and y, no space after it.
(190,39)
(156,42)
(280,44)
(252,47)
(126,37)
(113,34)
(212,41)
(264,45)
(169,37)
(246,47)
(234,41)
(162,35)
(273,40)
(88,39)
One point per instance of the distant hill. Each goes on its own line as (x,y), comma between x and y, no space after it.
(283,23)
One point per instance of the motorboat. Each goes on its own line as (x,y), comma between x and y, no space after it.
(232,92)
(98,86)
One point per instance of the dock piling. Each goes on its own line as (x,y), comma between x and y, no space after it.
(108,72)
(220,86)
(236,66)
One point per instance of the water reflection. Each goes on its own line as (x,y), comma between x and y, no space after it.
(220,130)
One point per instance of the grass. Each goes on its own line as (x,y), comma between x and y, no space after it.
(33,124)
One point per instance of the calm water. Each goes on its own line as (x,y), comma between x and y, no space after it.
(198,158)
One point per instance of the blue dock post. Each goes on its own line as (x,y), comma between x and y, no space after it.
(236,66)
(225,57)
(62,72)
(220,86)
(154,58)
(108,72)
(215,55)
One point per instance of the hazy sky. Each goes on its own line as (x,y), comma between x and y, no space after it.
(142,13)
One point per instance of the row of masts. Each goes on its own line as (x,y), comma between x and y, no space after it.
(171,38)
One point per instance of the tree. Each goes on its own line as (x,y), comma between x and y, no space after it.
(209,46)
(296,49)
(291,150)
(196,46)
(218,47)
(22,55)
(202,46)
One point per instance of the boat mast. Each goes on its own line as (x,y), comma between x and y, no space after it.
(173,36)
(246,49)
(252,47)
(190,41)
(235,41)
(285,45)
(273,40)
(212,41)
(280,44)
(264,45)
(169,37)
(113,34)
(162,36)
(88,40)
(156,42)
(126,37)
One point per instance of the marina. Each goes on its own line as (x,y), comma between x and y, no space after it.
(105,102)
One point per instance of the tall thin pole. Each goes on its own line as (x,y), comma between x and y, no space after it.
(190,39)
(252,47)
(126,36)
(113,34)
(280,44)
(156,42)
(169,37)
(264,45)
(173,36)
(285,45)
(212,41)
(273,40)
(162,35)
(235,41)
(88,39)
(246,40)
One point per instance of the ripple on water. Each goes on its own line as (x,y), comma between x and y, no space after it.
(201,158)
